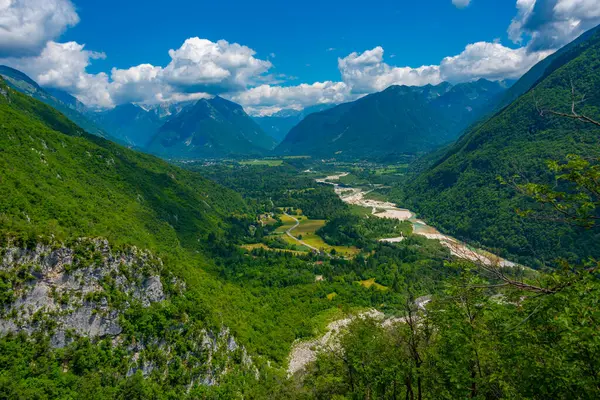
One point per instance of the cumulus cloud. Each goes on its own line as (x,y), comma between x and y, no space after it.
(202,65)
(63,66)
(461,3)
(198,67)
(491,61)
(366,72)
(550,24)
(267,99)
(27,25)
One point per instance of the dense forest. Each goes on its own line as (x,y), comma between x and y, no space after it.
(470,191)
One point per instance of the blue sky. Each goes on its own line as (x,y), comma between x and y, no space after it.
(272,55)
(298,33)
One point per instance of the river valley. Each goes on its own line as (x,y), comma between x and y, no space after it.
(383,209)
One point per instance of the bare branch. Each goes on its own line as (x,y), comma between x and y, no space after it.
(573,115)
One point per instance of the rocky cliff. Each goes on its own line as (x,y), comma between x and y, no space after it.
(88,291)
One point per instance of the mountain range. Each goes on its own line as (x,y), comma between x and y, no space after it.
(207,128)
(399,120)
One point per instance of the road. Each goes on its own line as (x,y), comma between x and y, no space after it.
(303,243)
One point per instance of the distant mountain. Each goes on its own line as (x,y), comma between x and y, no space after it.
(461,193)
(399,120)
(210,128)
(130,123)
(279,124)
(68,99)
(55,98)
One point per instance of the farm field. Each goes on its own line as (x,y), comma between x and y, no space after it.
(263,246)
(267,162)
(368,283)
(306,233)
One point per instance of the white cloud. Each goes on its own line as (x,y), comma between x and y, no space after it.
(550,24)
(142,83)
(366,72)
(63,65)
(27,25)
(461,3)
(491,61)
(198,67)
(202,65)
(267,99)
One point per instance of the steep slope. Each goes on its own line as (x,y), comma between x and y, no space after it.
(461,193)
(105,249)
(63,181)
(64,102)
(279,124)
(539,70)
(130,123)
(399,120)
(211,128)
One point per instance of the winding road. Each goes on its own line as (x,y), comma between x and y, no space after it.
(303,243)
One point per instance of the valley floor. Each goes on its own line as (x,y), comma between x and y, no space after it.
(384,209)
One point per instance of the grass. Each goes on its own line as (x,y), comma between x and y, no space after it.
(288,222)
(376,196)
(294,242)
(360,210)
(392,170)
(309,226)
(306,231)
(269,163)
(368,283)
(263,246)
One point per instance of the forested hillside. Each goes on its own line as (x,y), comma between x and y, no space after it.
(399,120)
(471,192)
(210,128)
(57,99)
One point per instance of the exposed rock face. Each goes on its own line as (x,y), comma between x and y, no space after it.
(74,289)
(211,354)
(83,290)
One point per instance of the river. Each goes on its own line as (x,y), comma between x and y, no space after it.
(384,209)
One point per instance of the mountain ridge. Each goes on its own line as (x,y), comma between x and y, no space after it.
(213,127)
(66,104)
(400,119)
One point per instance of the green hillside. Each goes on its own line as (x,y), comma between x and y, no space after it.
(83,185)
(398,120)
(57,99)
(462,194)
(211,128)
